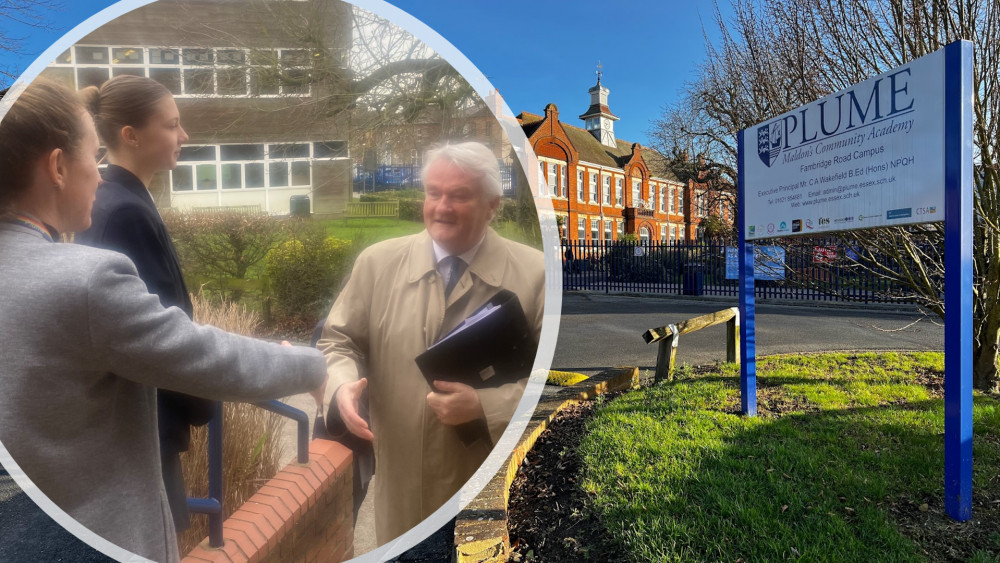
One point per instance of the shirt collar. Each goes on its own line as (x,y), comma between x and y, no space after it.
(440,253)
(488,265)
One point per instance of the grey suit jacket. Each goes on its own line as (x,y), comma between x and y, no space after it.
(84,347)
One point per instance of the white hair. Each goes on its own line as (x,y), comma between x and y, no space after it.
(472,157)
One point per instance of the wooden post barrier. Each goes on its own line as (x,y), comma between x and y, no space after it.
(669,336)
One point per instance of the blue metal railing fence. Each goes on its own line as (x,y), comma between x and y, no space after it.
(407,176)
(813,269)
(212,506)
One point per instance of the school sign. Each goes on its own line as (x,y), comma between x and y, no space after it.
(893,150)
(868,156)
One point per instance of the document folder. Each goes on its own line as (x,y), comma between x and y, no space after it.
(493,346)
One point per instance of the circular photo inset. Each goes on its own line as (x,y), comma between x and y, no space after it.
(276,281)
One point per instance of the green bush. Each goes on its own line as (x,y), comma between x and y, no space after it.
(223,250)
(389,195)
(305,272)
(411,210)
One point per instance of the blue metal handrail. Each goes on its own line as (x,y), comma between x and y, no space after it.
(212,506)
(295,414)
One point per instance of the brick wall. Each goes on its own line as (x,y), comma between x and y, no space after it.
(305,513)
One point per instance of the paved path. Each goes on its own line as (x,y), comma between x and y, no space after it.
(28,534)
(599,331)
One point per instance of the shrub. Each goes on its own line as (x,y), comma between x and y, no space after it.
(389,195)
(223,248)
(520,218)
(305,272)
(251,440)
(411,210)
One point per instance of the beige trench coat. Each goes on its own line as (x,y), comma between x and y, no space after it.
(390,310)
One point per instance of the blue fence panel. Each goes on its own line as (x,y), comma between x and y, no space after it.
(407,176)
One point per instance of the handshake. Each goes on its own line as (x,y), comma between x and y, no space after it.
(453,403)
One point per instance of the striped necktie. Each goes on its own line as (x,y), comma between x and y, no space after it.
(456,267)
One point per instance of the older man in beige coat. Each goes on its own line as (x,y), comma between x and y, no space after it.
(402,296)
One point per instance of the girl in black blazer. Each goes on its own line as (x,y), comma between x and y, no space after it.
(139,124)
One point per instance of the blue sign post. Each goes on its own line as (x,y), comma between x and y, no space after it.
(958,225)
(748,340)
(872,171)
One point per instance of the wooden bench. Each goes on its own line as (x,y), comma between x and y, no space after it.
(246,209)
(372,209)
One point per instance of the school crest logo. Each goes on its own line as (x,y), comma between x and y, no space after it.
(769,142)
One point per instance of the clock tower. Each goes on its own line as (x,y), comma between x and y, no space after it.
(598,119)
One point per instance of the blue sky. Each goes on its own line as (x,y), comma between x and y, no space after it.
(533,51)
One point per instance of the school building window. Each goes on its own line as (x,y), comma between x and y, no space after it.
(190,71)
(250,166)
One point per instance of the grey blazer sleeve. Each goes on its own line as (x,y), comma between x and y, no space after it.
(137,339)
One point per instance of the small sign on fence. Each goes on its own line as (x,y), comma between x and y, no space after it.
(769,263)
(824,254)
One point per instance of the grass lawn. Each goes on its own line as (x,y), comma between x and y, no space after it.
(844,463)
(370,230)
(374,230)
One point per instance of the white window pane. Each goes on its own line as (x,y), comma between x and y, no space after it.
(206,175)
(182,178)
(232,177)
(301,173)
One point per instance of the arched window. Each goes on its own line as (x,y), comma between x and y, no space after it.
(644,236)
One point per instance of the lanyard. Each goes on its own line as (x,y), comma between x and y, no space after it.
(31,223)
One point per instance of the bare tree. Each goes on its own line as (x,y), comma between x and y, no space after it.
(776,55)
(318,65)
(29,14)
(380,79)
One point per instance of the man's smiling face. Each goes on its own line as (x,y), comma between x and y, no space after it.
(456,211)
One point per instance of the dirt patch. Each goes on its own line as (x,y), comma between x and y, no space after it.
(550,516)
(932,380)
(940,538)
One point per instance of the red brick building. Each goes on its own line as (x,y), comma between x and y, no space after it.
(603,187)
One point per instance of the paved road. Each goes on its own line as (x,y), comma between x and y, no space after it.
(28,534)
(599,331)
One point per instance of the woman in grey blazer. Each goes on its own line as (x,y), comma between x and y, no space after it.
(138,121)
(85,345)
